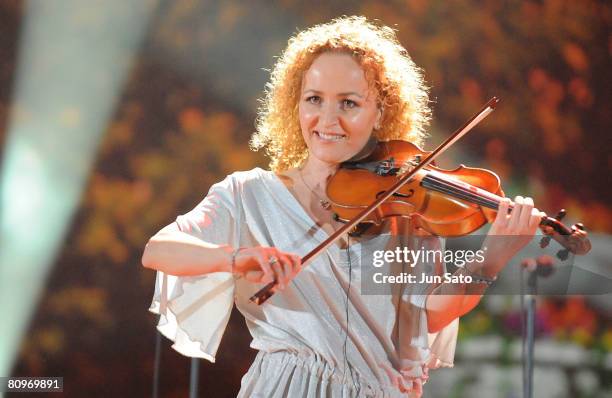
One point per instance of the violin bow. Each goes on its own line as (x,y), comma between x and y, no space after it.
(268,290)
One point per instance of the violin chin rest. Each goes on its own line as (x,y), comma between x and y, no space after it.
(366,150)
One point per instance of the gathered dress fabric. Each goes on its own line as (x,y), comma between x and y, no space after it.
(306,346)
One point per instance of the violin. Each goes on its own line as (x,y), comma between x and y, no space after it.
(445,203)
(398,179)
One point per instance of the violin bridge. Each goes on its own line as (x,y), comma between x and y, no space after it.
(404,168)
(410,164)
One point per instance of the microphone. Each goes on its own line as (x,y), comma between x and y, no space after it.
(542,266)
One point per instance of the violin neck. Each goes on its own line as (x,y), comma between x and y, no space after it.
(458,189)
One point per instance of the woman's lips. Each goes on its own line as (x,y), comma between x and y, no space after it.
(330,137)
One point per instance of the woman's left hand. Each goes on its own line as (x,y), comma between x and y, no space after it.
(510,232)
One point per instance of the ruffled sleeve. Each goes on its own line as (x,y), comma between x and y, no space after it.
(420,351)
(194,310)
(436,349)
(441,345)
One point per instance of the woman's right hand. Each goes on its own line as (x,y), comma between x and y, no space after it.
(265,264)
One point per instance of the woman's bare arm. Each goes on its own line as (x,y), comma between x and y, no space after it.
(450,301)
(178,253)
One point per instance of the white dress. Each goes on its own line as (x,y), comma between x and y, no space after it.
(305,347)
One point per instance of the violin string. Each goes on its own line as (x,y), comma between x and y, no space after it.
(490,202)
(460,195)
(493,203)
(460,192)
(450,188)
(469,198)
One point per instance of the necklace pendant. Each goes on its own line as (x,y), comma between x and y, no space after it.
(325,204)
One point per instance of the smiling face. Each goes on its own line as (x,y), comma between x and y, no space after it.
(337,108)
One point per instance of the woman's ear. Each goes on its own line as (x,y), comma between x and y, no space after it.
(378,119)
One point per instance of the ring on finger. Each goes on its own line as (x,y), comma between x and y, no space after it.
(273,260)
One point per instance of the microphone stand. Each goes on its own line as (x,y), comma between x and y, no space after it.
(542,266)
(193,371)
(194,377)
(156,364)
(529,336)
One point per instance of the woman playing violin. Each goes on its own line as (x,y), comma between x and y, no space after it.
(335,87)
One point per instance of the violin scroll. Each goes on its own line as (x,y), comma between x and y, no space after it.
(574,239)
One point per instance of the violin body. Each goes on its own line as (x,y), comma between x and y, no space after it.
(353,188)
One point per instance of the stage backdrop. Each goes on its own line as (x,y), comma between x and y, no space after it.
(185,78)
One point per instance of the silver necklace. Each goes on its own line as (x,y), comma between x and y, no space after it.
(323,202)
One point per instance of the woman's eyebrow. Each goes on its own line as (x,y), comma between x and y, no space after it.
(339,94)
(350,93)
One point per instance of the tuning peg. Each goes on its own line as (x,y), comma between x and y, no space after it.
(544,241)
(579,226)
(561,214)
(563,254)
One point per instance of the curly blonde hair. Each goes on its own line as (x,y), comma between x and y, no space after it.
(402,94)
